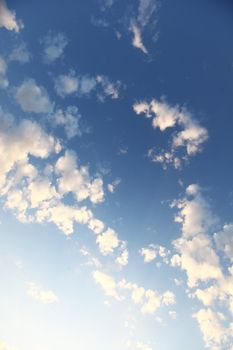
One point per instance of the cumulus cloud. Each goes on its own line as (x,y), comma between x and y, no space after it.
(3,69)
(33,98)
(107,241)
(112,187)
(153,251)
(8,18)
(69,119)
(107,283)
(190,138)
(5,346)
(39,294)
(20,53)
(84,85)
(137,38)
(123,258)
(53,46)
(224,240)
(76,180)
(211,325)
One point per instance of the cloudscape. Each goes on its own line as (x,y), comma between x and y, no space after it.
(116,186)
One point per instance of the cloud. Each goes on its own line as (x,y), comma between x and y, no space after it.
(5,346)
(33,98)
(151,252)
(137,38)
(224,240)
(3,69)
(38,294)
(146,10)
(66,84)
(84,85)
(211,325)
(190,138)
(53,46)
(112,187)
(123,258)
(107,241)
(20,53)
(77,180)
(107,283)
(69,119)
(197,256)
(142,346)
(8,18)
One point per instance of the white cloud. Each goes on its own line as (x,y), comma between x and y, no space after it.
(84,85)
(41,295)
(112,187)
(5,346)
(123,258)
(107,241)
(66,84)
(190,138)
(142,346)
(146,10)
(153,251)
(69,119)
(20,53)
(224,240)
(137,38)
(53,46)
(8,18)
(3,69)
(210,323)
(33,98)
(107,283)
(76,180)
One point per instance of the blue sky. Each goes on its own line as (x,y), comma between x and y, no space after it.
(116,175)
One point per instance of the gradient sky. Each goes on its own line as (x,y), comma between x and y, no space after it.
(116,186)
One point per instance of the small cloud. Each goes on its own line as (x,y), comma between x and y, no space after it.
(112,187)
(8,18)
(41,295)
(137,38)
(20,53)
(33,98)
(53,46)
(69,119)
(3,69)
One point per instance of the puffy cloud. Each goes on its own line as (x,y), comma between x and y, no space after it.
(76,180)
(5,346)
(152,251)
(107,241)
(66,84)
(137,38)
(150,300)
(123,258)
(8,18)
(20,53)
(112,187)
(53,46)
(96,225)
(69,119)
(224,240)
(3,69)
(38,294)
(211,325)
(191,137)
(107,283)
(33,98)
(194,213)
(142,346)
(84,85)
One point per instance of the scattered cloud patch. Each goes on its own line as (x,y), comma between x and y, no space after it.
(20,54)
(3,69)
(54,45)
(33,98)
(8,18)
(69,119)
(39,294)
(190,138)
(137,38)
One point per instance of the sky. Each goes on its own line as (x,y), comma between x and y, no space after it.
(116,188)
